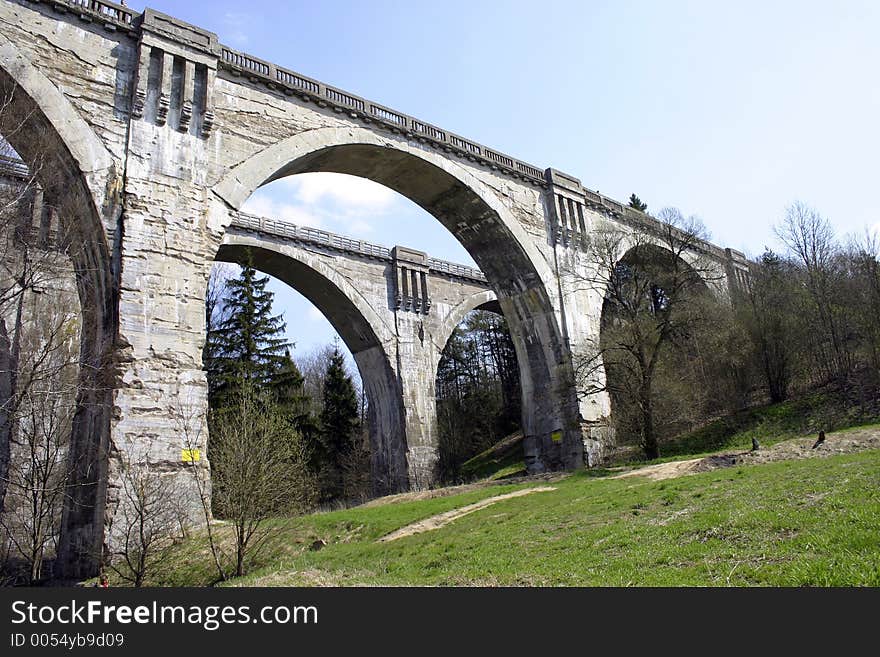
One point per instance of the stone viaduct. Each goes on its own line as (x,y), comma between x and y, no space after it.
(161,133)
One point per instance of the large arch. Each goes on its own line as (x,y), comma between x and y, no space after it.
(623,244)
(651,266)
(78,177)
(362,330)
(474,214)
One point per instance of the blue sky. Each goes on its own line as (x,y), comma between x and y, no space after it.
(726,110)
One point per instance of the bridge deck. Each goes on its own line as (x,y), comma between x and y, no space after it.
(346,244)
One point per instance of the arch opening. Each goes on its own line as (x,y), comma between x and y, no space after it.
(656,335)
(490,234)
(360,329)
(478,399)
(62,244)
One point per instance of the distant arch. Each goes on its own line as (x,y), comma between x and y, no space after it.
(486,300)
(362,330)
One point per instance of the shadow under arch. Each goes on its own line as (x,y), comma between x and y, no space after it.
(648,276)
(486,423)
(362,331)
(655,259)
(476,217)
(75,173)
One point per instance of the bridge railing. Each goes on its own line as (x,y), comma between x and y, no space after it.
(455,269)
(110,12)
(290,82)
(115,15)
(309,235)
(12,167)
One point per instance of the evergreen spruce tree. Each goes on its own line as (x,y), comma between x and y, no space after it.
(247,346)
(339,425)
(288,392)
(636,202)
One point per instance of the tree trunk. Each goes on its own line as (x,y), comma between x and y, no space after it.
(649,437)
(6,414)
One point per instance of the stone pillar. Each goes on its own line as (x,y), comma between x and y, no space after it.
(167,249)
(416,370)
(188,86)
(570,210)
(416,363)
(165,88)
(736,268)
(139,100)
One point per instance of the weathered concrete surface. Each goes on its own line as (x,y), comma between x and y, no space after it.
(163,134)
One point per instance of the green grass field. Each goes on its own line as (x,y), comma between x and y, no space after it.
(805,522)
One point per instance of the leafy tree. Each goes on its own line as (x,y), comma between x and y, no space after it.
(288,391)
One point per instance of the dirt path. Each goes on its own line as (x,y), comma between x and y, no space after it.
(844,442)
(443,519)
(662,470)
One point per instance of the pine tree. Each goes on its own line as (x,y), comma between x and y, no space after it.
(339,425)
(288,392)
(247,346)
(636,202)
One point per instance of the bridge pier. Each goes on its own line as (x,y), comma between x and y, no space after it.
(417,362)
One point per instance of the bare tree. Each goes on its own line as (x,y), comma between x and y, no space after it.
(149,520)
(810,238)
(35,259)
(189,419)
(650,276)
(41,412)
(863,263)
(313,366)
(769,315)
(260,470)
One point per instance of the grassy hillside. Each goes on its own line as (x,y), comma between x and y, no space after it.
(504,459)
(806,522)
(826,411)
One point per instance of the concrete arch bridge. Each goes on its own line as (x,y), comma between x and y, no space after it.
(156,134)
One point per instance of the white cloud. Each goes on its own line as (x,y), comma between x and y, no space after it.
(353,194)
(316,315)
(262,206)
